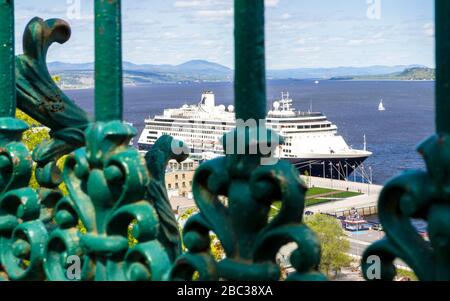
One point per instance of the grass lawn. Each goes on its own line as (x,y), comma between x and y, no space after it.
(345,194)
(333,194)
(338,195)
(317,190)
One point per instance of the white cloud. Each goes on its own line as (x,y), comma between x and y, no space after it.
(429,29)
(272,3)
(215,14)
(190,3)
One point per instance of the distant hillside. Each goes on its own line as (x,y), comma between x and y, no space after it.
(415,73)
(418,74)
(326,73)
(82,75)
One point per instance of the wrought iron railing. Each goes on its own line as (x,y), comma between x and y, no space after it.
(112,189)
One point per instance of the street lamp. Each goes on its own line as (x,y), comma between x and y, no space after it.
(370,172)
(309,177)
(331,172)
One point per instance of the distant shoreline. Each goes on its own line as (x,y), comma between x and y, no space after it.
(269,80)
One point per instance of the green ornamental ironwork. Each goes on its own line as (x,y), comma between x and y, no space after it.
(420,194)
(24,213)
(111,187)
(114,192)
(39,97)
(235,193)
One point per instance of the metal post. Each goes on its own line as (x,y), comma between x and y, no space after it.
(250,74)
(442,66)
(331,171)
(108,60)
(7,60)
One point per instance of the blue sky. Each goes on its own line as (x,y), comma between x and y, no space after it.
(300,33)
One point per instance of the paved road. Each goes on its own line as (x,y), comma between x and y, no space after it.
(360,241)
(360,201)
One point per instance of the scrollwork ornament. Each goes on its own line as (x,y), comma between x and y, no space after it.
(25,214)
(40,97)
(108,184)
(422,195)
(234,195)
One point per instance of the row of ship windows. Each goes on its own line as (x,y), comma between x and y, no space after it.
(184,136)
(189,122)
(225,123)
(297,120)
(191,136)
(221,130)
(200,126)
(185,130)
(315,126)
(182,127)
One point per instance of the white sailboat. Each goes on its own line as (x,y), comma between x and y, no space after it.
(381,106)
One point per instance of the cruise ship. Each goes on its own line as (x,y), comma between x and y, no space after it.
(311,142)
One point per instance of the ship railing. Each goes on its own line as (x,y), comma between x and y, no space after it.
(107,195)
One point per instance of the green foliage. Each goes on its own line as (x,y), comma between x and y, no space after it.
(81,227)
(333,241)
(401,273)
(132,241)
(216,247)
(32,138)
(187,214)
(35,135)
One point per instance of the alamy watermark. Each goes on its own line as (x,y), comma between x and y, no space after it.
(373,271)
(73,271)
(73,9)
(374,9)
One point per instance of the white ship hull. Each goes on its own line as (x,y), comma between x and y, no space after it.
(311,141)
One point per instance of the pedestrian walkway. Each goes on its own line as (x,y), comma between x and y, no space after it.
(357,202)
(342,185)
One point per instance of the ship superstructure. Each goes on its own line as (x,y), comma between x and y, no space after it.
(311,143)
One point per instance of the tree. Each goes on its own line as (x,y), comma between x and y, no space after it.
(36,132)
(216,246)
(334,244)
(32,138)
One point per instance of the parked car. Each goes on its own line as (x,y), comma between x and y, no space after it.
(377,227)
